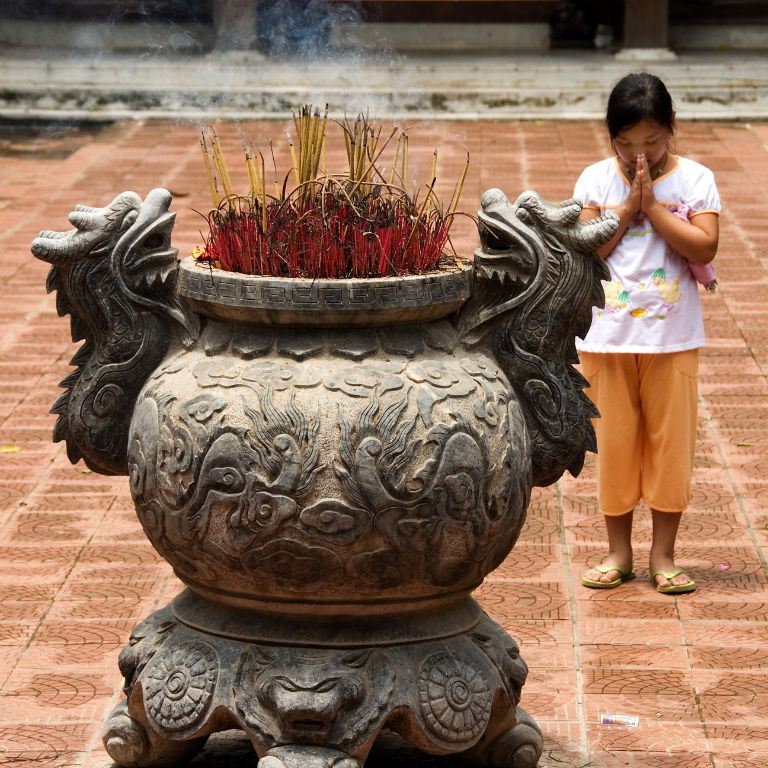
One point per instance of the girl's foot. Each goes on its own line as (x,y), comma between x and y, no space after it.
(670,579)
(609,574)
(665,575)
(616,567)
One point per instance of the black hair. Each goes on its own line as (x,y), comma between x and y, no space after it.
(636,97)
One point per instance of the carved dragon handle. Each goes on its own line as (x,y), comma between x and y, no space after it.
(115,275)
(537,279)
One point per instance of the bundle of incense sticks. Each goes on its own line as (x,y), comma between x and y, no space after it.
(310,132)
(363,223)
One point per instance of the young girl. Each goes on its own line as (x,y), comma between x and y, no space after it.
(641,353)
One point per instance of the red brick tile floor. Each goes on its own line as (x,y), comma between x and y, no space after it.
(76,572)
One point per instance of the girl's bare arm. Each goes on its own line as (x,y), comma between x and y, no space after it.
(696,241)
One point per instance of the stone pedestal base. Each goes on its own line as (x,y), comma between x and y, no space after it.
(322,705)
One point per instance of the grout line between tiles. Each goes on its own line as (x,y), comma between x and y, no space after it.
(573,608)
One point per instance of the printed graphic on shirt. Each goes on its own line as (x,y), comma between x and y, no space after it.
(669,290)
(616,296)
(640,227)
(642,300)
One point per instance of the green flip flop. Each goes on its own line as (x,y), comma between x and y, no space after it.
(672,589)
(605,568)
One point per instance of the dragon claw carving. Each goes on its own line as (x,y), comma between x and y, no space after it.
(130,744)
(519,747)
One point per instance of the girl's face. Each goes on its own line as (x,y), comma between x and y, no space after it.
(647,138)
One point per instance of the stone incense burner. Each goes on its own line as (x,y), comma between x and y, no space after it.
(331,468)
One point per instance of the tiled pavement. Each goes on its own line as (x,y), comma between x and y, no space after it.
(76,572)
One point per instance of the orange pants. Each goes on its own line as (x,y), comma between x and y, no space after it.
(646,433)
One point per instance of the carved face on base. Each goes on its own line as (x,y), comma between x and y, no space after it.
(305,696)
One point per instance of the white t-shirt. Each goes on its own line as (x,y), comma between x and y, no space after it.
(652,300)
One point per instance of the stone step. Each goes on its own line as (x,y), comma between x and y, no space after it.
(244,85)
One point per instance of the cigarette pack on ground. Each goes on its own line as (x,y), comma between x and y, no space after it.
(631,721)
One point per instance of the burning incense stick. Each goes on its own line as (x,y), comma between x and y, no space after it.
(454,204)
(257,184)
(220,163)
(404,168)
(215,197)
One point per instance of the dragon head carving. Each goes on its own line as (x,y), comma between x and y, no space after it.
(115,275)
(537,279)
